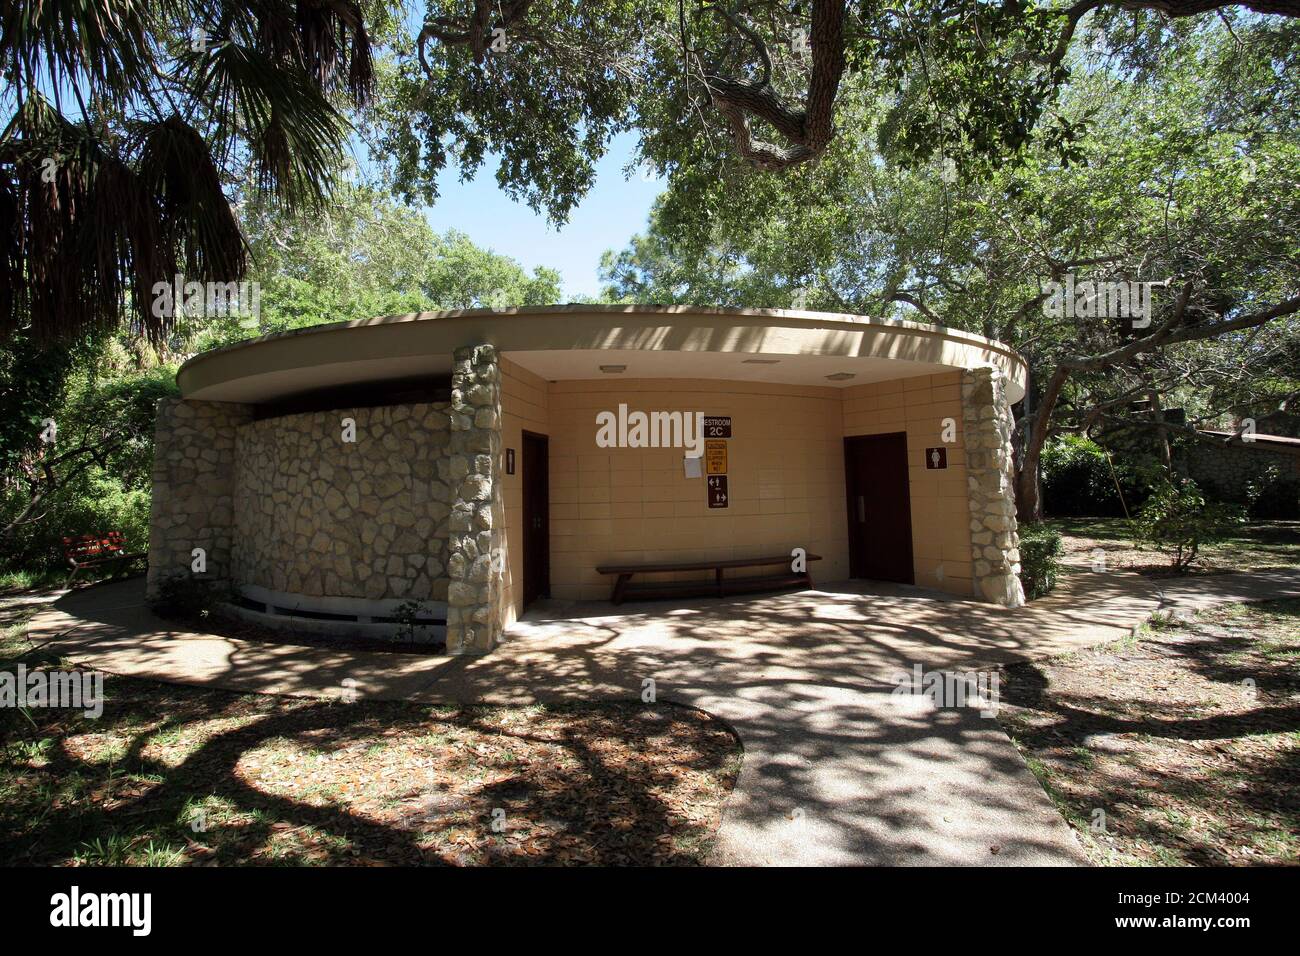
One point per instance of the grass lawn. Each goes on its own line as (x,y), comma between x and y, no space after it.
(1180,746)
(177,775)
(16,582)
(1261,544)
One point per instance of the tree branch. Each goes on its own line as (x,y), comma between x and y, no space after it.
(472,30)
(915,303)
(807,131)
(1165,336)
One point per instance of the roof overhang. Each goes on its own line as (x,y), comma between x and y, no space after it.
(573,341)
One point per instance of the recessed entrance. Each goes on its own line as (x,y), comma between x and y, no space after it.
(536,515)
(879,507)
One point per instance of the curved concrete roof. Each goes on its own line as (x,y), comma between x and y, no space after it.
(573,341)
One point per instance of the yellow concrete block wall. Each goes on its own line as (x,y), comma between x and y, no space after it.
(941,555)
(613,505)
(524,402)
(785,474)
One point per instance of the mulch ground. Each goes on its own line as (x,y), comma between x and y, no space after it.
(1178,747)
(175,776)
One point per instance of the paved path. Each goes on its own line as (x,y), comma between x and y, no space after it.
(835,770)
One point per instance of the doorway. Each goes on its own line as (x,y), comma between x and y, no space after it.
(536,483)
(880,507)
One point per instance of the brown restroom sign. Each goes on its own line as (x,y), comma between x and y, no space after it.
(717,491)
(936,458)
(715,457)
(717,426)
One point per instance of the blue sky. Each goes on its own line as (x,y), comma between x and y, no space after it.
(612,212)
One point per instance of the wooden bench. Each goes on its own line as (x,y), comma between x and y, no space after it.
(718,587)
(97,550)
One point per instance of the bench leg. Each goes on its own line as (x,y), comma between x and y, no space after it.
(620,587)
(71,575)
(717,581)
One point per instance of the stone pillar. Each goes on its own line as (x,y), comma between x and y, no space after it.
(477,525)
(193,490)
(990,478)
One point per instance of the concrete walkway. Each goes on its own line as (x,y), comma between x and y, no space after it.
(836,770)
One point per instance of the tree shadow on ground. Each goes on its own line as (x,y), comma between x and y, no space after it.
(1206,771)
(606,808)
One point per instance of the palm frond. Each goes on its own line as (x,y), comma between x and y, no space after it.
(326,39)
(176,167)
(100,202)
(295,136)
(92,234)
(103,43)
(335,47)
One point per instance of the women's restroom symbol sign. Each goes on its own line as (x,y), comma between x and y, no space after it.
(936,458)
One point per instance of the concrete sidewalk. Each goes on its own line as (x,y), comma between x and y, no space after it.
(835,770)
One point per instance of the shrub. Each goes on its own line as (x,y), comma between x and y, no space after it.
(1177,520)
(408,615)
(105,436)
(1077,480)
(95,503)
(1040,546)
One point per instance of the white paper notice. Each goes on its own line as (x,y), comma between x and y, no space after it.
(694,466)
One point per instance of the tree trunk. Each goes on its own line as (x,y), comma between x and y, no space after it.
(1029,500)
(1162,433)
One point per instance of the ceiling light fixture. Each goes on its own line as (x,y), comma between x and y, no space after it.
(841,376)
(760,361)
(613,369)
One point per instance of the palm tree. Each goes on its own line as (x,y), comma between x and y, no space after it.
(128,121)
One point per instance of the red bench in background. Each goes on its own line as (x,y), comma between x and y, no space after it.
(98,550)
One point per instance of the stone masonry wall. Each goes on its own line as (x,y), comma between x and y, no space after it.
(193,487)
(319,516)
(475,555)
(1228,471)
(990,478)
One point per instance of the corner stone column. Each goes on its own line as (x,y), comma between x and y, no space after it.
(193,490)
(990,478)
(476,524)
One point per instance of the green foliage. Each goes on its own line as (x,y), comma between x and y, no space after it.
(546,106)
(104,455)
(1040,546)
(1077,479)
(1177,520)
(1273,492)
(33,384)
(96,503)
(368,256)
(974,79)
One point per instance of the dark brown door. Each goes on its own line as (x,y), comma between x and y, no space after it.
(880,507)
(537,525)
